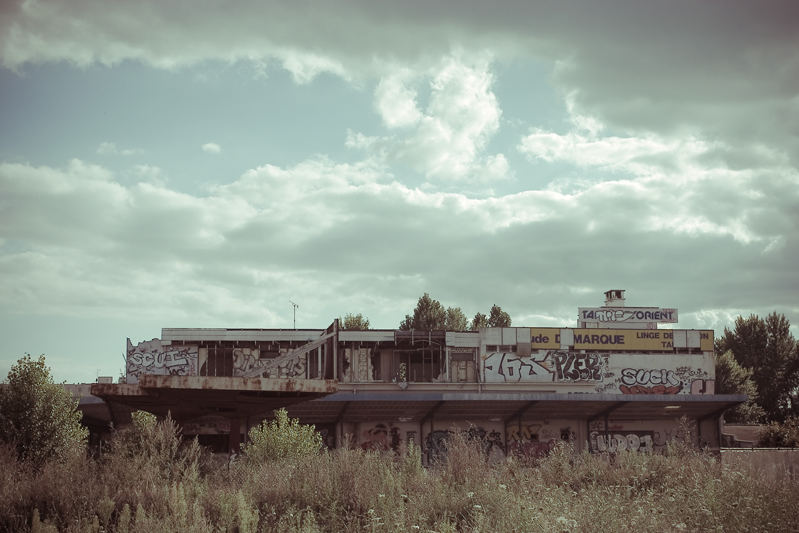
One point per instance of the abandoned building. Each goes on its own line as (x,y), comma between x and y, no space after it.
(614,382)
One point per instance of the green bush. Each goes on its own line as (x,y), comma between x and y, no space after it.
(785,435)
(281,438)
(37,417)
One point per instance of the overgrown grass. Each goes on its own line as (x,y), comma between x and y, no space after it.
(151,481)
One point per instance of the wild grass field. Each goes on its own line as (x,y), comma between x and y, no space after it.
(149,480)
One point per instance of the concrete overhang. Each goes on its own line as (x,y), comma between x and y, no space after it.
(393,406)
(187,397)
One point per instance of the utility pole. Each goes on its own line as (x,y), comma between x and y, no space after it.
(295,313)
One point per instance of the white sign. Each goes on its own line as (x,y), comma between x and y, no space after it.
(626,315)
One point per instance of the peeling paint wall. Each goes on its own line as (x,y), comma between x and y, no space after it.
(358,365)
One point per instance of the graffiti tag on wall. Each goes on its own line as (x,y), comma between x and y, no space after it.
(536,440)
(645,381)
(663,381)
(381,437)
(150,357)
(248,362)
(573,366)
(634,441)
(490,441)
(548,367)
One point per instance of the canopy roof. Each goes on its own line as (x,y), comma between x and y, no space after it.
(320,402)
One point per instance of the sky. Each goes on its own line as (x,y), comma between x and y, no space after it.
(192,164)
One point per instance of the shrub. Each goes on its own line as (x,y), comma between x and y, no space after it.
(282,438)
(785,435)
(154,448)
(37,417)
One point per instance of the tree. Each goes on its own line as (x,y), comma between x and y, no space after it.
(428,315)
(354,322)
(456,320)
(767,348)
(732,378)
(479,321)
(38,417)
(281,438)
(497,318)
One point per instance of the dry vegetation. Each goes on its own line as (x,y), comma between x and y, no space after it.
(149,481)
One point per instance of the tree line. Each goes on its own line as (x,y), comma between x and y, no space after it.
(430,315)
(759,357)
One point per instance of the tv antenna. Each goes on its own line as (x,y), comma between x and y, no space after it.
(295,312)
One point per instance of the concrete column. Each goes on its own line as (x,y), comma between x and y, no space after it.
(234,443)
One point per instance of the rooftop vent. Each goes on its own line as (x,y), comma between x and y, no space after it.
(614,298)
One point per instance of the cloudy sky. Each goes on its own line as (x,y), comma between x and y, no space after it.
(189,164)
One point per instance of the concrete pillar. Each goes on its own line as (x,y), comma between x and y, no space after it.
(234,443)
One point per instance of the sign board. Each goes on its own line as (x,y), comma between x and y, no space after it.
(628,315)
(545,338)
(647,340)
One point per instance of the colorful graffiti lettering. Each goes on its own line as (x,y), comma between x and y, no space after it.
(645,381)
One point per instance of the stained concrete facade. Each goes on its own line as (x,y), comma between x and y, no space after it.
(520,389)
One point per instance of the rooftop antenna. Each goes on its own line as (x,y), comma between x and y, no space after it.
(295,313)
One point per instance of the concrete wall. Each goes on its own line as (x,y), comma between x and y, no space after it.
(640,435)
(774,463)
(151,357)
(637,373)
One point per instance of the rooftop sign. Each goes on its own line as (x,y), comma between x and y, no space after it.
(626,315)
(598,339)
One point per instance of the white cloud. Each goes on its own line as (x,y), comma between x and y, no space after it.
(109,148)
(659,68)
(320,230)
(396,101)
(211,148)
(446,141)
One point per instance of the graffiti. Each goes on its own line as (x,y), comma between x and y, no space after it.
(536,440)
(665,381)
(509,367)
(616,314)
(247,359)
(381,437)
(703,386)
(645,381)
(549,367)
(292,368)
(328,434)
(634,441)
(150,357)
(436,444)
(573,366)
(490,441)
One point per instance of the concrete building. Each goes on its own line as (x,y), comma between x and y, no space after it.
(614,382)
